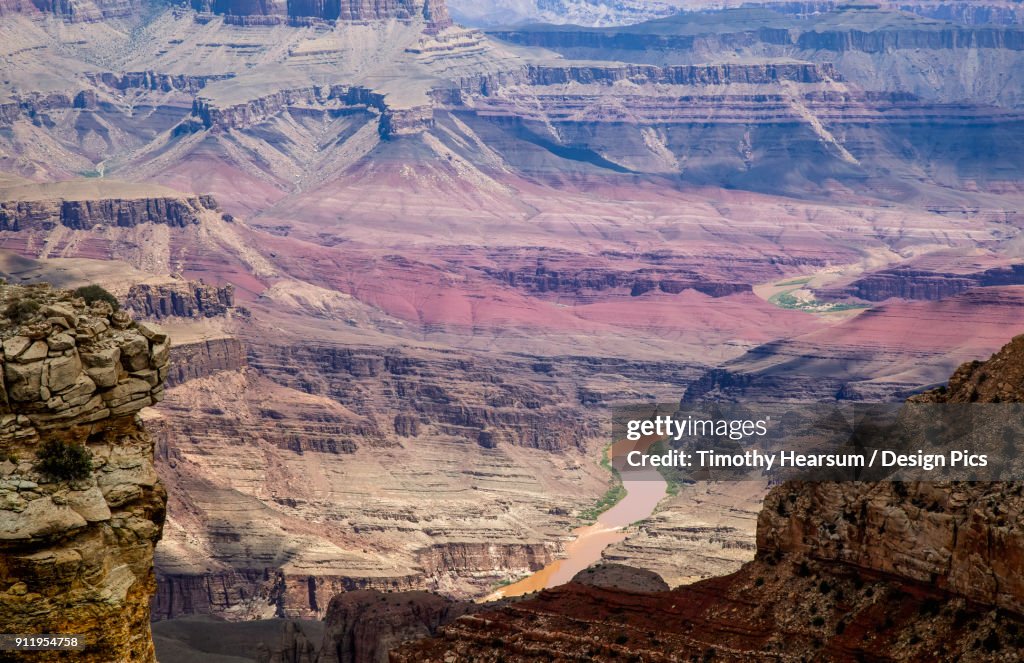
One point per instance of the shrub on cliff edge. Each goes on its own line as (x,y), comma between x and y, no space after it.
(22,309)
(64,462)
(97,293)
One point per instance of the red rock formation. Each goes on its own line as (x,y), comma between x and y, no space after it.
(365,625)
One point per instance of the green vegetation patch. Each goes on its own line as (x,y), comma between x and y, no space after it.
(616,491)
(64,462)
(96,293)
(788,300)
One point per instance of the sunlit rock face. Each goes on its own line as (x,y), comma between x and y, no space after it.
(77,546)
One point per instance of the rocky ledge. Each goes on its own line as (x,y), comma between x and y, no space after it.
(84,214)
(183,299)
(81,507)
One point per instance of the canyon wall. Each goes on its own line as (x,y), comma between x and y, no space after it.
(202,358)
(877,39)
(154,81)
(910,283)
(84,214)
(434,12)
(81,506)
(73,11)
(185,300)
(962,537)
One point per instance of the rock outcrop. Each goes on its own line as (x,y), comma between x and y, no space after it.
(393,121)
(910,283)
(84,214)
(202,358)
(433,12)
(192,299)
(72,11)
(81,506)
(154,81)
(363,626)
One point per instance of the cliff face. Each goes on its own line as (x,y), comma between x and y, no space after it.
(711,74)
(392,121)
(84,214)
(76,542)
(434,12)
(203,358)
(363,626)
(73,11)
(909,283)
(150,80)
(965,537)
(184,300)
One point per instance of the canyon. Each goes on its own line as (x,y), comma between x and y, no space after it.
(843,570)
(408,266)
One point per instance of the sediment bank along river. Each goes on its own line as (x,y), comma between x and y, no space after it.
(644,489)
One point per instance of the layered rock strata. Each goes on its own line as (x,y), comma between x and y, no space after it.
(433,12)
(76,543)
(84,214)
(366,625)
(205,357)
(192,299)
(910,283)
(392,121)
(72,11)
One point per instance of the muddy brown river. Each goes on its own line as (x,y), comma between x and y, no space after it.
(644,489)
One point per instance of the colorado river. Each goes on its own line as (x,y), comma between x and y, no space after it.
(644,489)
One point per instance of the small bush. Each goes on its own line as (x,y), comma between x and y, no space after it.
(64,462)
(22,310)
(95,293)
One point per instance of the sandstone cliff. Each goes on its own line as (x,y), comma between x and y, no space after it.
(84,214)
(190,299)
(77,537)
